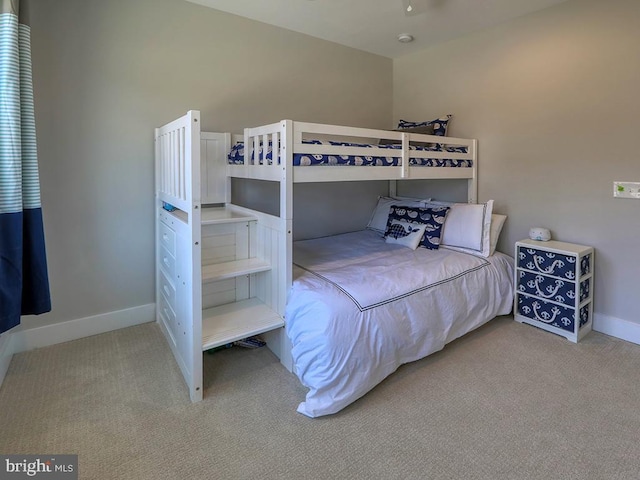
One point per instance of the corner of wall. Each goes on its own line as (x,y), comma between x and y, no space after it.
(6,353)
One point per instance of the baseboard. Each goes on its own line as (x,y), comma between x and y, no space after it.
(28,338)
(617,327)
(6,353)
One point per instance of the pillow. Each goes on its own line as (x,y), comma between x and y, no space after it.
(378,221)
(432,217)
(468,228)
(405,233)
(424,130)
(439,125)
(497,222)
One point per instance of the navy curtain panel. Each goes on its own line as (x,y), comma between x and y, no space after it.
(24,283)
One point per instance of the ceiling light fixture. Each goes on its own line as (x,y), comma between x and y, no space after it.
(405,38)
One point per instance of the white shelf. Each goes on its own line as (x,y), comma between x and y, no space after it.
(213,215)
(236,268)
(235,321)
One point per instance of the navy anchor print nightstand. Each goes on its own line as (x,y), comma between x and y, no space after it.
(554,287)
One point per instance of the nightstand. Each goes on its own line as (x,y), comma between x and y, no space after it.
(554,287)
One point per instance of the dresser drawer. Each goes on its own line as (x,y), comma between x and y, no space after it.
(548,263)
(550,288)
(168,262)
(168,290)
(547,313)
(168,238)
(170,319)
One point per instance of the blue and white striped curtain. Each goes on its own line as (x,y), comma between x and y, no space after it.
(24,282)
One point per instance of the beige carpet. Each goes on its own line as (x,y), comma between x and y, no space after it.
(505,402)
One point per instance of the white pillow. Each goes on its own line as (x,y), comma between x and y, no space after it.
(405,233)
(497,222)
(378,221)
(467,228)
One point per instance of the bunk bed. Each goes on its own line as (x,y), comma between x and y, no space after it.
(226,272)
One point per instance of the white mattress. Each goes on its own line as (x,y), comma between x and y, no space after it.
(359,308)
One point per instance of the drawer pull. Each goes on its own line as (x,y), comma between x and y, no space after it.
(167,290)
(165,237)
(555,311)
(552,291)
(166,261)
(551,268)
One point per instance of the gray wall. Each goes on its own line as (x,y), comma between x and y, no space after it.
(553,100)
(106,72)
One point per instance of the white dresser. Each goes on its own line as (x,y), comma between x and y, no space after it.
(554,287)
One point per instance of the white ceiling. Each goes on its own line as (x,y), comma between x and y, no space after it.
(374,25)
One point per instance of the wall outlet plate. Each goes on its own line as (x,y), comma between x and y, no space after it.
(626,190)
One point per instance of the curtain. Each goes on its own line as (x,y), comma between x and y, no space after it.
(24,282)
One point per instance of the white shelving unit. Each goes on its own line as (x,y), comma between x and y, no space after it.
(233,278)
(229,240)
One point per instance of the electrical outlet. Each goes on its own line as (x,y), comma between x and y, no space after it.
(626,190)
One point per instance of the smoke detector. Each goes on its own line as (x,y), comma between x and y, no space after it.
(405,38)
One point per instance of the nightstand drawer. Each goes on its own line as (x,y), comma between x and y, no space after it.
(549,263)
(547,313)
(550,288)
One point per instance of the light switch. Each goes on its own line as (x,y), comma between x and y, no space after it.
(626,190)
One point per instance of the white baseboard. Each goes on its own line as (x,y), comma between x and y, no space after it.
(44,335)
(617,327)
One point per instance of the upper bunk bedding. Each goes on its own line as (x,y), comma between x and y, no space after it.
(393,158)
(359,308)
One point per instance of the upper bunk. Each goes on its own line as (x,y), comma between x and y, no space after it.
(312,152)
(192,167)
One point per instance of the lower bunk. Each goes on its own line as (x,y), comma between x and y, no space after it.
(360,307)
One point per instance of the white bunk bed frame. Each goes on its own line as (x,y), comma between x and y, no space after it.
(192,171)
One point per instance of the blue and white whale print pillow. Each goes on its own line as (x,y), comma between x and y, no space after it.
(431,217)
(405,233)
(439,125)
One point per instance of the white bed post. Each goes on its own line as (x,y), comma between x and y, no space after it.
(405,156)
(192,161)
(285,275)
(472,187)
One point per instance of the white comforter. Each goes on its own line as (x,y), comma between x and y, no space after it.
(359,308)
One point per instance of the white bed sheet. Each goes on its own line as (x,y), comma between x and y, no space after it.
(359,308)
